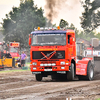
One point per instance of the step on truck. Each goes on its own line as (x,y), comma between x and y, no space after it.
(53,52)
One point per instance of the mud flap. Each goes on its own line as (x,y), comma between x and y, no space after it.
(81,69)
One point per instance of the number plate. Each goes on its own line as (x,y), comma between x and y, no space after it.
(47,69)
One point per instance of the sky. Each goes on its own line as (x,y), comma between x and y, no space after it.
(71,13)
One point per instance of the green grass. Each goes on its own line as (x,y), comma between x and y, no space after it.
(17,70)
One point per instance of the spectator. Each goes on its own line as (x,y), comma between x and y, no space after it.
(7,55)
(23,57)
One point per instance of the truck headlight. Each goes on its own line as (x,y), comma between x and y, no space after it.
(34,63)
(62,63)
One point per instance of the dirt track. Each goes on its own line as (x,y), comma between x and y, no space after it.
(23,86)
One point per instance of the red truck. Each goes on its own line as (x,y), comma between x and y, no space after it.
(53,52)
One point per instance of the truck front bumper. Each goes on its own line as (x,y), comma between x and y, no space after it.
(49,68)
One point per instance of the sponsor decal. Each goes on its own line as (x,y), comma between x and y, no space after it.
(47,49)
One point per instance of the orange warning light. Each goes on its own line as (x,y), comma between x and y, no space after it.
(58,27)
(38,28)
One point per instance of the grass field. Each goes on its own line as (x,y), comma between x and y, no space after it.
(7,70)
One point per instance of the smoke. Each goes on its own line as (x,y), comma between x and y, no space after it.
(54,7)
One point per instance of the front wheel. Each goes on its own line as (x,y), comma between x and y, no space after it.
(38,77)
(70,74)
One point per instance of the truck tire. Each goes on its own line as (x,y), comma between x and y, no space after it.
(90,72)
(38,77)
(70,74)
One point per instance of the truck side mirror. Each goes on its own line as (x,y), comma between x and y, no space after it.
(71,40)
(29,40)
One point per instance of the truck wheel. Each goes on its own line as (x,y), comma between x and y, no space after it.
(38,77)
(90,72)
(70,74)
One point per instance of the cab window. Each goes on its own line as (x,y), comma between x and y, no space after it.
(69,38)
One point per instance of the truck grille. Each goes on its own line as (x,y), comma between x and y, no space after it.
(41,54)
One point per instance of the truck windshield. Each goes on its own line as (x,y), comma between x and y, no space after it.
(49,39)
(13,49)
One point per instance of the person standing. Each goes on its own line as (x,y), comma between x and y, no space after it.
(8,55)
(23,57)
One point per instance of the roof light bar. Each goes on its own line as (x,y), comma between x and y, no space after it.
(49,28)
